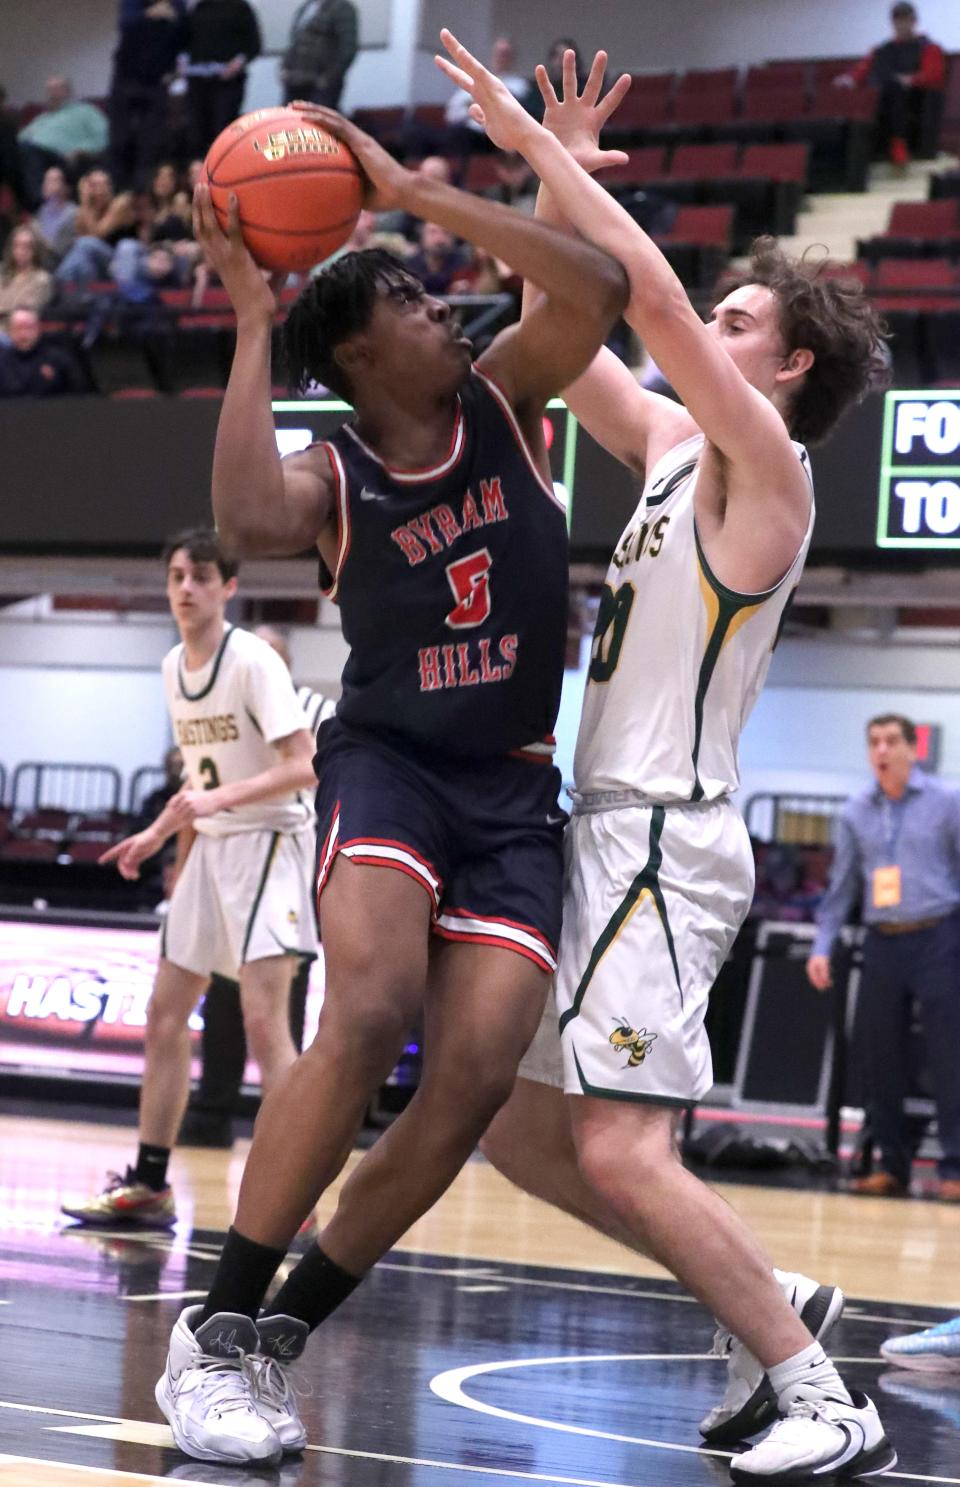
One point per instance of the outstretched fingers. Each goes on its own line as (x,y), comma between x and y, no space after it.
(455,74)
(614,98)
(464,59)
(547,91)
(594,82)
(569,74)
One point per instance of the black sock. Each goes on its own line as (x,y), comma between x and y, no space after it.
(314,1289)
(151,1166)
(244,1272)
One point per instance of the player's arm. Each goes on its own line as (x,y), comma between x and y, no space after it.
(293,771)
(186,837)
(584,289)
(739,421)
(609,402)
(133,850)
(263,506)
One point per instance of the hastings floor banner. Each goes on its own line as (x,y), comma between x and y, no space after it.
(73,999)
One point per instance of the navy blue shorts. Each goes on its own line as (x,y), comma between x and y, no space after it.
(484,838)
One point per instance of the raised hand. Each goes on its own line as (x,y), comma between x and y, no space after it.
(386,178)
(577,119)
(253,294)
(506,121)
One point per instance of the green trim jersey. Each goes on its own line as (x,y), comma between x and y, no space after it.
(226,718)
(678,659)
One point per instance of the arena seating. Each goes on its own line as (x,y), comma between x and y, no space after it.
(920,299)
(57,820)
(917,229)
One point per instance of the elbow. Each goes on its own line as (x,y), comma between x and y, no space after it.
(613,288)
(652,304)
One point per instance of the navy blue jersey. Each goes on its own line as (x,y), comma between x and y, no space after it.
(452,586)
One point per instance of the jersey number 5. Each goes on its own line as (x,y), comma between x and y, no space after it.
(469,578)
(612,616)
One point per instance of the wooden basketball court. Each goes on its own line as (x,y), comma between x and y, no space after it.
(502,1342)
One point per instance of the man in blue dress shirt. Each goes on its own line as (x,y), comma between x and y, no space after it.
(898,844)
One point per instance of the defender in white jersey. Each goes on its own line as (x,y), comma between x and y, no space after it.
(660,875)
(242,902)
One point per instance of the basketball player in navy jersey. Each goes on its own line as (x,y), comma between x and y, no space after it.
(440,867)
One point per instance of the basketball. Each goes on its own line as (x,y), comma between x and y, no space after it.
(299,190)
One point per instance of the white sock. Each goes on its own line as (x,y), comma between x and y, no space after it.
(807,1375)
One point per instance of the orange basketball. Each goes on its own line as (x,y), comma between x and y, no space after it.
(299,190)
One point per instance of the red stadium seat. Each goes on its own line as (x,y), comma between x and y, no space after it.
(776,162)
(703,226)
(29,849)
(778,75)
(644,165)
(701,162)
(704,108)
(924,219)
(768,105)
(844,103)
(647,103)
(916,273)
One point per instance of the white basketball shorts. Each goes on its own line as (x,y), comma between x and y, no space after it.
(654,898)
(242,898)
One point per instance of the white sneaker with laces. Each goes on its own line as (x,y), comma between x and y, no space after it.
(206,1393)
(820,1437)
(282,1340)
(749,1404)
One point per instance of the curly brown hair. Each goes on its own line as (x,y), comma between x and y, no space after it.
(830,317)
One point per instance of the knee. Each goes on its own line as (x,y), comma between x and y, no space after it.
(367,1032)
(612,1166)
(164,1023)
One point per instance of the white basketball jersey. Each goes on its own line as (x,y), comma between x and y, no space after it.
(678,659)
(225,718)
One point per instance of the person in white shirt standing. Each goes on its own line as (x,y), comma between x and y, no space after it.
(245,823)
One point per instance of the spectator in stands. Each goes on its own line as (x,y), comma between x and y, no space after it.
(223,38)
(102,220)
(73,135)
(11,169)
(152,34)
(905,69)
(440,263)
(32,368)
(434,168)
(56,217)
(516,183)
(370,233)
(24,283)
(898,844)
(465,133)
(320,51)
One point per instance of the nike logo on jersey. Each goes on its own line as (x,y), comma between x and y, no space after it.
(368,495)
(556,820)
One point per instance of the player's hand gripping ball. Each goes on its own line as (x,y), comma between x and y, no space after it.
(299,190)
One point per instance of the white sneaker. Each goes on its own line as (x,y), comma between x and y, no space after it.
(282,1340)
(749,1404)
(206,1393)
(820,1438)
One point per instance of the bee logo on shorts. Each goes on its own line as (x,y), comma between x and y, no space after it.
(293,917)
(637,1041)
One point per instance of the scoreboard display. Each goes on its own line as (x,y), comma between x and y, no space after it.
(86,479)
(919,499)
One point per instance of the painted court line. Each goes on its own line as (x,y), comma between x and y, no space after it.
(449,1387)
(134,1431)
